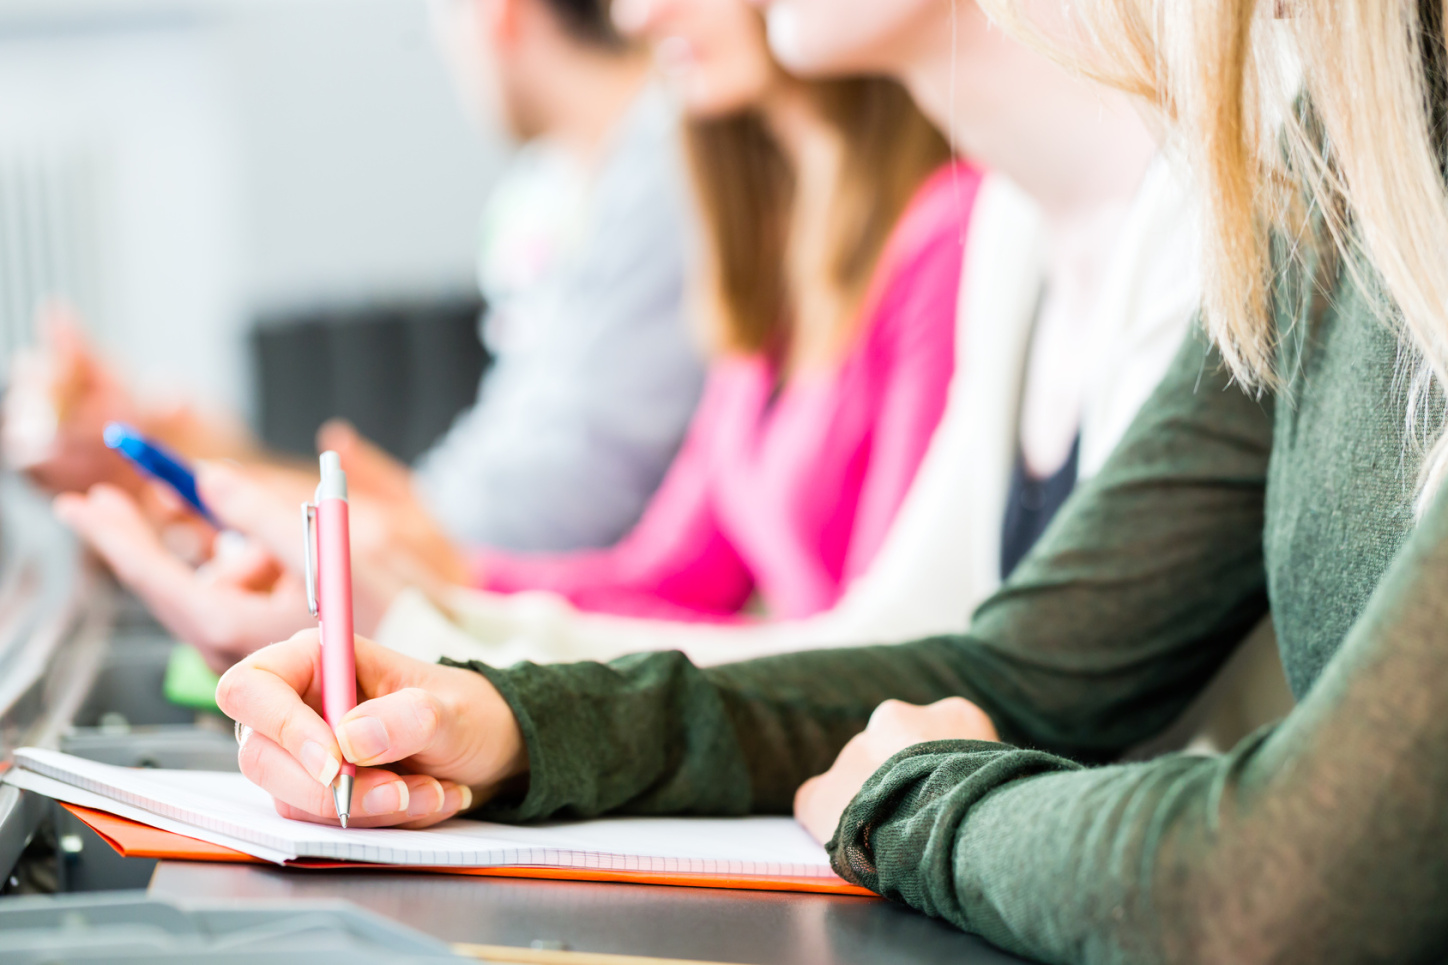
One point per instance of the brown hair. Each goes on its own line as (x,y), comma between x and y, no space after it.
(763,294)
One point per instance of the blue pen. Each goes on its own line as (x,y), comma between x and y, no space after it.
(158,462)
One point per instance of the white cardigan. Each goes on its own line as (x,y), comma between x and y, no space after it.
(942,555)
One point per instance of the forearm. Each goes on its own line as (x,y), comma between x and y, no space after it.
(1320,840)
(653,733)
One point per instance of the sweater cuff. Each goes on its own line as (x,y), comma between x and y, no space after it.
(897,837)
(646,734)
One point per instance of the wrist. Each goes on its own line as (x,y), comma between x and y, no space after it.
(497,755)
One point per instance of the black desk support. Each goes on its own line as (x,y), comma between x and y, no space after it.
(745,927)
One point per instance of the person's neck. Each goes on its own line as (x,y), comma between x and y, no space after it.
(806,138)
(589,96)
(1075,147)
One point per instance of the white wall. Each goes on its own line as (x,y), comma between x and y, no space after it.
(364,174)
(254,155)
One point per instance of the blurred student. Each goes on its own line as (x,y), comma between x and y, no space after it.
(832,262)
(1079,283)
(596,374)
(1293,458)
(830,270)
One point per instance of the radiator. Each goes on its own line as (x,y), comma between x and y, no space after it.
(51,240)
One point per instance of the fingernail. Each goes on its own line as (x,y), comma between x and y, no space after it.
(428,800)
(456,799)
(388,798)
(362,739)
(319,763)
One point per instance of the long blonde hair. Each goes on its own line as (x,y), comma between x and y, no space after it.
(1318,121)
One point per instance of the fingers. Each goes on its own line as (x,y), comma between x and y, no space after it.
(247,506)
(111,522)
(368,467)
(266,693)
(224,622)
(239,562)
(274,692)
(953,718)
(380,798)
(390,728)
(457,799)
(894,726)
(819,801)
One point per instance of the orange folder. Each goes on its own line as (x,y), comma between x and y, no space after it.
(135,840)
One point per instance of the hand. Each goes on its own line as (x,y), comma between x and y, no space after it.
(893,726)
(239,601)
(449,738)
(59,399)
(386,513)
(263,502)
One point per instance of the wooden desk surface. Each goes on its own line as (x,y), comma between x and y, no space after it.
(749,928)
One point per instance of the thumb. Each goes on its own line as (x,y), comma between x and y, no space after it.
(368,467)
(252,509)
(390,728)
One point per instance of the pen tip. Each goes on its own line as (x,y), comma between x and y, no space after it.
(344,821)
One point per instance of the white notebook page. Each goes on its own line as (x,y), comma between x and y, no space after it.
(229,810)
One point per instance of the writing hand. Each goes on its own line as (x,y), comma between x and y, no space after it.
(429,741)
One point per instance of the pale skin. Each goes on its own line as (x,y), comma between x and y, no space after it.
(429,741)
(432,741)
(719,63)
(248,593)
(1078,150)
(515,59)
(452,724)
(512,60)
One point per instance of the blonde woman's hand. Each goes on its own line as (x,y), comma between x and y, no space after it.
(893,726)
(429,741)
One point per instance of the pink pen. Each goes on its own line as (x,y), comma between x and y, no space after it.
(329,594)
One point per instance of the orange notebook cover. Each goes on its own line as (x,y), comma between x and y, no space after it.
(135,840)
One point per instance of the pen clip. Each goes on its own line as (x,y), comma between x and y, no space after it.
(309,540)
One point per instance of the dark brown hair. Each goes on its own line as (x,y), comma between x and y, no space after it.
(746,189)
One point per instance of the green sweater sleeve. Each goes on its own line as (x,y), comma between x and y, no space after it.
(1137,593)
(1323,840)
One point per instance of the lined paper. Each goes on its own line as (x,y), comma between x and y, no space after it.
(227,809)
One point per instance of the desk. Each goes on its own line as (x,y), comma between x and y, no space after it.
(746,927)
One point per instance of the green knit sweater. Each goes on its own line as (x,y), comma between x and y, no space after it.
(1324,839)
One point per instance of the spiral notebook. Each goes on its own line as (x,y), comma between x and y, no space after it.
(228,810)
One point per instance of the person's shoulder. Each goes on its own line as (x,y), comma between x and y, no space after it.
(938,216)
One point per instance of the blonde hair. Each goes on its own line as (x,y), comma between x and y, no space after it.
(1320,122)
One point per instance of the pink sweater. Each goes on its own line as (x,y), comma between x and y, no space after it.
(790,497)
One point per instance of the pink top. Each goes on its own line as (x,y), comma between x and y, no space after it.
(789,494)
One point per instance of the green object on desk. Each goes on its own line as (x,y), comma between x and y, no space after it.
(189,682)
